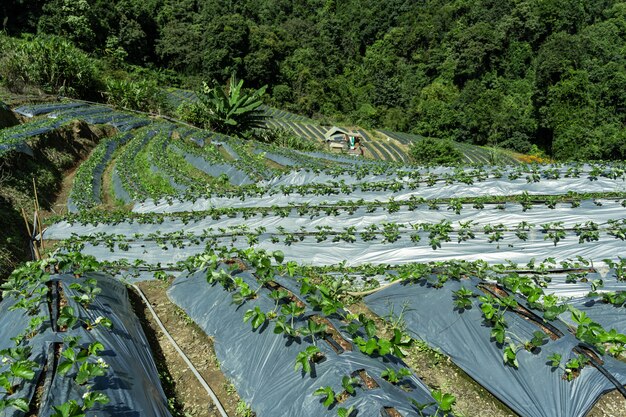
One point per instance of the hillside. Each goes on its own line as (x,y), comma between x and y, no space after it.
(176,241)
(331,262)
(511,74)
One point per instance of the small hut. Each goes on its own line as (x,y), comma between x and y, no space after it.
(335,137)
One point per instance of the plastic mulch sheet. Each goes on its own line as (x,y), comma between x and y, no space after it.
(261,363)
(37,109)
(535,389)
(490,187)
(234,175)
(404,250)
(131,382)
(118,188)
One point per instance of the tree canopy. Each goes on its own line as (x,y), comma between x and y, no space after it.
(512,73)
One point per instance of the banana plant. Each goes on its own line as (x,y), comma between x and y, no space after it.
(231,110)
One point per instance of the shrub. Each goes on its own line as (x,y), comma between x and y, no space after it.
(430,151)
(50,63)
(143,95)
(282,137)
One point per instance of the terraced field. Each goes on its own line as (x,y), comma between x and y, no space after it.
(380,145)
(335,285)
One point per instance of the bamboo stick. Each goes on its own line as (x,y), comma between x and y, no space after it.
(30,236)
(37,211)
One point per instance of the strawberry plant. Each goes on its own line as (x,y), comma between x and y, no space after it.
(20,404)
(553,231)
(348,383)
(256,316)
(443,401)
(19,370)
(465,231)
(346,412)
(619,267)
(463,298)
(76,356)
(394,377)
(306,358)
(328,393)
(87,291)
(313,330)
(588,232)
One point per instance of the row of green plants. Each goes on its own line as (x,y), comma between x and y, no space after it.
(494,305)
(83,194)
(167,158)
(12,136)
(332,188)
(386,232)
(151,179)
(131,174)
(29,287)
(288,318)
(335,208)
(252,164)
(529,281)
(255,165)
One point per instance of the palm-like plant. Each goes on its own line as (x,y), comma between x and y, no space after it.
(231,110)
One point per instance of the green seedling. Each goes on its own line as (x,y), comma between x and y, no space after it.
(328,393)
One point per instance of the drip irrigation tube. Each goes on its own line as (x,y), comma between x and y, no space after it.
(182,354)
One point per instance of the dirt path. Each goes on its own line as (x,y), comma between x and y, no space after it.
(190,399)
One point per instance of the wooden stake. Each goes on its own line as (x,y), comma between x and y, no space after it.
(30,236)
(37,211)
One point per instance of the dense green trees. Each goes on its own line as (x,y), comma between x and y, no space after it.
(509,73)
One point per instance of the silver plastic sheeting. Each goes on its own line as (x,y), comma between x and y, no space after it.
(37,109)
(484,189)
(511,216)
(261,364)
(401,252)
(279,159)
(338,158)
(535,389)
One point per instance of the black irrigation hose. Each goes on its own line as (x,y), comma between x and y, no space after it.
(582,349)
(524,312)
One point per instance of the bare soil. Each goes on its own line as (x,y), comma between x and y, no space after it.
(187,396)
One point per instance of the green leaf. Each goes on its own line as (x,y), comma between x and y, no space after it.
(345,412)
(328,392)
(370,347)
(279,256)
(68,409)
(18,403)
(248,315)
(95,348)
(64,367)
(90,399)
(258,320)
(498,333)
(444,401)
(23,369)
(4,382)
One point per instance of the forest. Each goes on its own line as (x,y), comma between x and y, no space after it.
(527,75)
